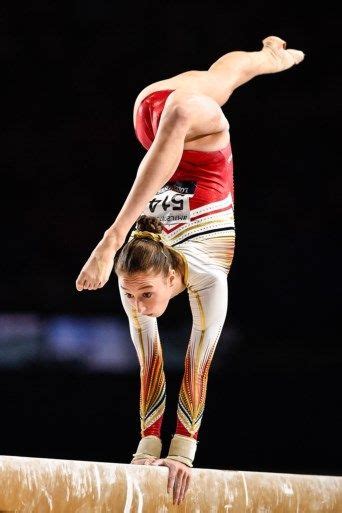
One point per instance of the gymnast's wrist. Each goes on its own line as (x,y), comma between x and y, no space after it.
(149,447)
(183,449)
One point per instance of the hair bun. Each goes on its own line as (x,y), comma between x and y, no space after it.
(149,224)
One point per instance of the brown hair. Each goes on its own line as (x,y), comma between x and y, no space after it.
(144,254)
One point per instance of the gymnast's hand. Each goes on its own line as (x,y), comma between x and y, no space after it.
(143,461)
(96,271)
(179,477)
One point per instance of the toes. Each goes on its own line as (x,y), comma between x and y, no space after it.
(297,55)
(88,285)
(80,283)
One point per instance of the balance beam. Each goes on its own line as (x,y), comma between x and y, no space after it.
(41,485)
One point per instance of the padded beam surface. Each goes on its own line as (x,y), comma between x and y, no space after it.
(39,485)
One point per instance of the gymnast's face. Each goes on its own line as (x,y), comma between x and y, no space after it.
(148,292)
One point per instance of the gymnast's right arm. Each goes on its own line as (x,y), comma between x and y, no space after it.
(158,165)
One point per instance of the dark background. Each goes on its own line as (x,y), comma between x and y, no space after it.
(69,157)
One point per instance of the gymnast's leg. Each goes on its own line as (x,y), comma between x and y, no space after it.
(236,68)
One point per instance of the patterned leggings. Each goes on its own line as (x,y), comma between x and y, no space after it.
(209,262)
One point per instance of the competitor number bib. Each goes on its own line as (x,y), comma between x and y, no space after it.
(172,203)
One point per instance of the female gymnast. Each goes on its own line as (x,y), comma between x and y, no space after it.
(182,201)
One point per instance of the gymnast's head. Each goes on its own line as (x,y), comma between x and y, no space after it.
(149,271)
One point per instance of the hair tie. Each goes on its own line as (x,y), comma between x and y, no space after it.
(137,234)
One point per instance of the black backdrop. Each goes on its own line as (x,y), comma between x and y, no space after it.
(69,157)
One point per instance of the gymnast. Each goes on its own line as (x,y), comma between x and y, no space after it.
(182,207)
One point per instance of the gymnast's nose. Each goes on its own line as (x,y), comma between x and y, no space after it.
(141,308)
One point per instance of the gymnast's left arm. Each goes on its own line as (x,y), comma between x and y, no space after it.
(209,302)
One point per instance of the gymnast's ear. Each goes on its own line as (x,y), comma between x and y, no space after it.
(172,275)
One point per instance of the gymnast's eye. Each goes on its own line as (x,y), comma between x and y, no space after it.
(128,295)
(147,294)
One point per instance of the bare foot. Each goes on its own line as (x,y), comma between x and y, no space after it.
(283,59)
(274,42)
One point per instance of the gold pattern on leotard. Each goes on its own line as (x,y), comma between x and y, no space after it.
(208,263)
(207,326)
(194,385)
(153,388)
